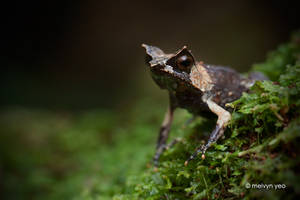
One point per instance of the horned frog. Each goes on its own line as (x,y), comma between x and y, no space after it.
(200,88)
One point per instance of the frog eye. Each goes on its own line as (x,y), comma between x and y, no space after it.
(184,62)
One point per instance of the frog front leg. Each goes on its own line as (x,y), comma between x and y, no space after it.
(223,118)
(164,132)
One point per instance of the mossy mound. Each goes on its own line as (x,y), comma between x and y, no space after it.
(258,157)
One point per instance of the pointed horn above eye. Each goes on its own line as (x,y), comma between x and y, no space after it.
(184,49)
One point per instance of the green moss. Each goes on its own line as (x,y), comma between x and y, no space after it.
(46,155)
(261,145)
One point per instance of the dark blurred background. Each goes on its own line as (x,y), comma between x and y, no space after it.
(85,54)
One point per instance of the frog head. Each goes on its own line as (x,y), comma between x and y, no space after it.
(169,70)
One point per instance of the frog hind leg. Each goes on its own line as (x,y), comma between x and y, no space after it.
(163,134)
(223,118)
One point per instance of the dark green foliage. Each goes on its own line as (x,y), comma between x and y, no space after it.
(105,155)
(48,155)
(261,145)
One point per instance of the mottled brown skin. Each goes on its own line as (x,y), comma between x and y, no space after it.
(201,89)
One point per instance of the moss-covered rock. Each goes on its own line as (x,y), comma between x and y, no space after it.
(258,157)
